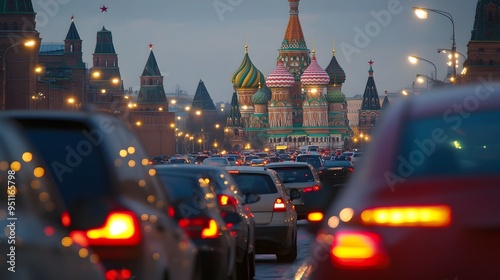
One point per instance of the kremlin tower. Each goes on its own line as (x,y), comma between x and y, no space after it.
(370,107)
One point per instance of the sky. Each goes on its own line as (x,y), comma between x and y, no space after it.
(205,39)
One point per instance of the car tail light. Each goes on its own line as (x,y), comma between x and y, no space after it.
(357,250)
(121,228)
(65,219)
(203,227)
(350,169)
(425,216)
(279,205)
(118,274)
(227,203)
(315,217)
(311,189)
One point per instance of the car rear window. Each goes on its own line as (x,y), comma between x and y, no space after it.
(298,174)
(445,146)
(255,183)
(180,188)
(77,165)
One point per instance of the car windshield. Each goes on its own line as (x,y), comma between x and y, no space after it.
(435,147)
(255,183)
(295,174)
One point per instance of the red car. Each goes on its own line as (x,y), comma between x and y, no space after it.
(425,202)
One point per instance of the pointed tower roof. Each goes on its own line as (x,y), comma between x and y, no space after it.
(151,68)
(234,119)
(385,103)
(72,32)
(336,73)
(314,74)
(280,77)
(104,42)
(370,97)
(486,28)
(247,75)
(16,7)
(294,38)
(202,99)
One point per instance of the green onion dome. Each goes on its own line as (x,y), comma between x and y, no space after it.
(247,75)
(335,96)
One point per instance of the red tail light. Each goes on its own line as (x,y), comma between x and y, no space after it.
(65,219)
(357,249)
(350,169)
(311,189)
(121,228)
(118,274)
(227,203)
(279,205)
(203,227)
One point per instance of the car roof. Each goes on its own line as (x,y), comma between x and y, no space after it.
(288,163)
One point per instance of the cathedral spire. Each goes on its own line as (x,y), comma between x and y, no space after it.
(370,96)
(294,38)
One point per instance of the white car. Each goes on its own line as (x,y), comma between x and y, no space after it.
(274,214)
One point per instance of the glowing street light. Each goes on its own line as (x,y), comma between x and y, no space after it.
(414,59)
(423,13)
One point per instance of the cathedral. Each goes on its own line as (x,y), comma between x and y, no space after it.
(298,103)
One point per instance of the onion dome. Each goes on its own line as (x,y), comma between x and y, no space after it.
(336,73)
(314,74)
(260,97)
(280,77)
(335,96)
(247,75)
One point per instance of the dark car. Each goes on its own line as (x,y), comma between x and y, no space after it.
(424,202)
(274,159)
(248,159)
(34,241)
(335,173)
(316,160)
(199,159)
(157,160)
(231,200)
(116,205)
(197,211)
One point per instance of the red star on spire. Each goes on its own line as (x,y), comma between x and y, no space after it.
(370,62)
(104,9)
(72,18)
(150,46)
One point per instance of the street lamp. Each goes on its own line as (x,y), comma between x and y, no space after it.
(414,59)
(29,43)
(421,78)
(423,13)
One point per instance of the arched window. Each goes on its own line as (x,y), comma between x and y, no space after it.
(106,62)
(150,81)
(71,47)
(114,63)
(96,61)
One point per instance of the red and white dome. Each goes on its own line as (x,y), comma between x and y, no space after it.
(280,77)
(314,74)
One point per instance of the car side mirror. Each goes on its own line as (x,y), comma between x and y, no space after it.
(294,194)
(251,198)
(231,217)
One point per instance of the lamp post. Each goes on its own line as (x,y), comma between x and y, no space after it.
(30,43)
(420,79)
(414,59)
(423,13)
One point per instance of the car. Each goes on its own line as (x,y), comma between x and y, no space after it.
(217,161)
(424,203)
(285,157)
(199,159)
(274,214)
(274,159)
(103,174)
(157,160)
(301,176)
(196,210)
(34,241)
(316,160)
(231,201)
(335,173)
(258,162)
(179,160)
(248,159)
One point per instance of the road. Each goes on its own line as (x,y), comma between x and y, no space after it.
(269,268)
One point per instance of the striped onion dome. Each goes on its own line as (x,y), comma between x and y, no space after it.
(260,97)
(314,74)
(280,77)
(247,75)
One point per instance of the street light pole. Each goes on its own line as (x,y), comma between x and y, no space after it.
(29,43)
(413,59)
(423,12)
